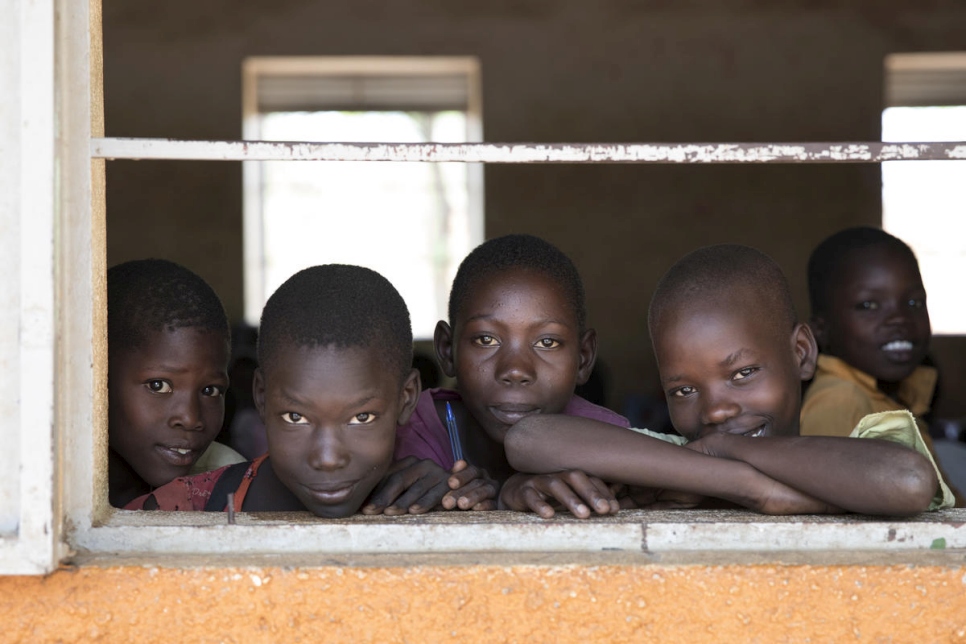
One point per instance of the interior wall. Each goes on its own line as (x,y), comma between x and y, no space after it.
(553,70)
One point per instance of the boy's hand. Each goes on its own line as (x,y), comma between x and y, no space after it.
(411,486)
(470,488)
(573,489)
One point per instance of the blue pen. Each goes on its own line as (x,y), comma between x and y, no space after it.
(454,435)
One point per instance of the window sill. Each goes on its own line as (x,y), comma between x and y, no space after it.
(718,536)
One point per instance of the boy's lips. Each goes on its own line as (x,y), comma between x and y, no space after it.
(511,413)
(755,431)
(178,455)
(899,350)
(331,493)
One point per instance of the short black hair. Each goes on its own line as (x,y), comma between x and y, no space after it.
(150,295)
(825,262)
(712,271)
(517,251)
(337,305)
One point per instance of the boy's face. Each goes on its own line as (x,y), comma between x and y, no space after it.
(877,319)
(331,416)
(515,350)
(167,401)
(727,367)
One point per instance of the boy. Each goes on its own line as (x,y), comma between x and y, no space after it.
(731,357)
(870,318)
(335,379)
(517,343)
(168,346)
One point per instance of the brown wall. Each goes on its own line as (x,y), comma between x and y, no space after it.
(553,70)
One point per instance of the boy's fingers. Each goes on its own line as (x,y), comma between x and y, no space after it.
(403,474)
(429,500)
(562,492)
(464,475)
(485,506)
(534,500)
(613,506)
(470,495)
(581,484)
(413,492)
(475,493)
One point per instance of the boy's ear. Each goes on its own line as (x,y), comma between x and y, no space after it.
(258,392)
(806,350)
(588,355)
(443,343)
(409,396)
(819,329)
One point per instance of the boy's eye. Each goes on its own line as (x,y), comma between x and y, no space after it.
(681,392)
(213,391)
(548,343)
(294,418)
(485,340)
(741,374)
(159,386)
(917,304)
(868,305)
(363,419)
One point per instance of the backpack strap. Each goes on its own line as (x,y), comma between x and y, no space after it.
(228,482)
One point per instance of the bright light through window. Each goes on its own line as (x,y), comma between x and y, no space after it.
(408,221)
(924,204)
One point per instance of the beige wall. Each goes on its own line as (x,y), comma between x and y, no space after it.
(553,70)
(488,603)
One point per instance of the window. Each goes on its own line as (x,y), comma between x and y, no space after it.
(412,222)
(924,204)
(53,491)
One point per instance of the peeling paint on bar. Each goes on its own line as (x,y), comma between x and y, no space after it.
(874,152)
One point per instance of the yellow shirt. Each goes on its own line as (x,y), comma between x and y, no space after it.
(841,395)
(896,426)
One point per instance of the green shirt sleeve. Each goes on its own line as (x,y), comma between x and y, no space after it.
(900,427)
(674,439)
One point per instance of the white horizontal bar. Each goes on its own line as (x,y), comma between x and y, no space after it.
(874,152)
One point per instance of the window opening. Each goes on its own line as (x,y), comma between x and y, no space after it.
(924,203)
(412,222)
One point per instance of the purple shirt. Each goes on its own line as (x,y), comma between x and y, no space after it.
(424,436)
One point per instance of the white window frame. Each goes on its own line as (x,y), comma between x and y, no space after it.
(60,422)
(257,68)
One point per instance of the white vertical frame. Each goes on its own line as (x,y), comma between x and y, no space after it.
(256,67)
(28,174)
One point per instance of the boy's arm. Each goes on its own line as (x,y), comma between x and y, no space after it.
(548,444)
(864,476)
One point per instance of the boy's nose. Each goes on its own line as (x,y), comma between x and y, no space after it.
(329,452)
(898,315)
(187,413)
(516,367)
(718,411)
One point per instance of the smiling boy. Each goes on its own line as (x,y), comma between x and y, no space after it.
(732,357)
(870,318)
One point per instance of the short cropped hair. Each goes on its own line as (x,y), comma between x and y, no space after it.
(523,252)
(825,262)
(150,295)
(709,272)
(341,306)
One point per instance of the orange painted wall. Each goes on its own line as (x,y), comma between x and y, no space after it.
(489,603)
